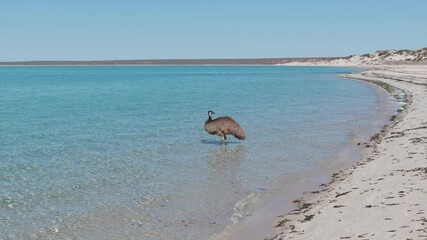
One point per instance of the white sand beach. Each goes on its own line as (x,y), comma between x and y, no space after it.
(382,196)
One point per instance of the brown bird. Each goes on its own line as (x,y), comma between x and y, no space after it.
(224,126)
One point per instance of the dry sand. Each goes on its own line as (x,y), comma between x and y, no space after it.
(383,196)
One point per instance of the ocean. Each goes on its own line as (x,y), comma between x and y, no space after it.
(120,152)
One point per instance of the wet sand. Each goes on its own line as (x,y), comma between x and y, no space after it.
(382,196)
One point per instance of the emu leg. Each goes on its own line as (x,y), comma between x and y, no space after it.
(223,137)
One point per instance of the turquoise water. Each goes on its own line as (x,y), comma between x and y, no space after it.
(120,152)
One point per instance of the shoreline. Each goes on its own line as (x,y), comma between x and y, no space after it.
(261,219)
(379,196)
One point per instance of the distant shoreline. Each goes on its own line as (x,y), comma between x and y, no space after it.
(382,57)
(163,62)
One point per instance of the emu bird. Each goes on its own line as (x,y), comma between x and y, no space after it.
(223,126)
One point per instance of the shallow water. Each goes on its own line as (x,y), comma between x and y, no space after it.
(120,152)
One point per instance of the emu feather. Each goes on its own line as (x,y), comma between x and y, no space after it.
(224,126)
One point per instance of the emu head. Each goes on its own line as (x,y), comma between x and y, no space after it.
(210,113)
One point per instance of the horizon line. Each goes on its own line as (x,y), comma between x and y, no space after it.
(165,61)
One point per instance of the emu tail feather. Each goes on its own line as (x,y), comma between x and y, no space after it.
(239,133)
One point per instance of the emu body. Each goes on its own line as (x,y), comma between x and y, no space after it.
(224,126)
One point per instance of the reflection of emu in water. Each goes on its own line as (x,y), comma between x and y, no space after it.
(226,159)
(224,126)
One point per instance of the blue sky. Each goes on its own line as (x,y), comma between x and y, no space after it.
(160,29)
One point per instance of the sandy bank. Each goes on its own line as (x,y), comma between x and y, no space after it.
(383,195)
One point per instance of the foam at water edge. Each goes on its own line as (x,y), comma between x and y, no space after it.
(239,210)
